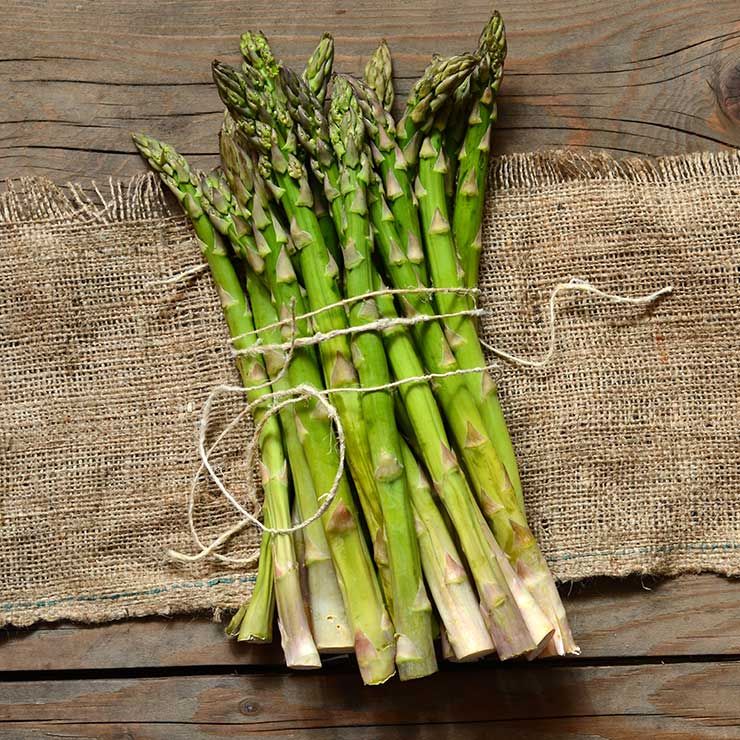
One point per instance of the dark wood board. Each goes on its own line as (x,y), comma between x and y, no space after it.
(634,77)
(690,696)
(658,727)
(630,76)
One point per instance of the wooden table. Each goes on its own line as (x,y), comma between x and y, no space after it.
(660,658)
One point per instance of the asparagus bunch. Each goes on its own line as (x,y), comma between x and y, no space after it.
(320,204)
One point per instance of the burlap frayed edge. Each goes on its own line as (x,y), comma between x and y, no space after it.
(530,169)
(38,199)
(143,197)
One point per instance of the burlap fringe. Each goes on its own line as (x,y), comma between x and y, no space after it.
(561,166)
(38,199)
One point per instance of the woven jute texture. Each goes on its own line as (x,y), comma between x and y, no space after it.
(628,440)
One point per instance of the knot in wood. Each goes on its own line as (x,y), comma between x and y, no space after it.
(249,707)
(728,89)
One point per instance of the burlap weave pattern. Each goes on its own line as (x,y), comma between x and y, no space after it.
(103,376)
(628,441)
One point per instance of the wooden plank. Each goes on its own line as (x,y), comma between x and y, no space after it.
(691,615)
(632,76)
(138,643)
(702,694)
(615,728)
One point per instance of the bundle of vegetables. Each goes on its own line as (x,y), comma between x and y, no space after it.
(327,205)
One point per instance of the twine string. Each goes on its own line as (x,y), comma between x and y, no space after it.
(276,401)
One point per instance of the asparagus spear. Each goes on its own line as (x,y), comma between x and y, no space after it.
(298,645)
(471,176)
(317,72)
(267,129)
(474,149)
(312,129)
(262,69)
(439,80)
(300,553)
(329,622)
(411,608)
(330,625)
(252,622)
(538,624)
(491,481)
(463,103)
(393,168)
(379,74)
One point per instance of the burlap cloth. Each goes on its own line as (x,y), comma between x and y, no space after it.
(629,440)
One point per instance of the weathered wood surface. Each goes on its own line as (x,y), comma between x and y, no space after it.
(631,76)
(615,728)
(688,616)
(688,698)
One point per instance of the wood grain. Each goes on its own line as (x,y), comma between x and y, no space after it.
(687,616)
(614,728)
(699,695)
(631,76)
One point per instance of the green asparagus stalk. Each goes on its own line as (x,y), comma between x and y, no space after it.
(444,265)
(253,620)
(317,72)
(330,625)
(379,74)
(467,221)
(298,645)
(267,129)
(316,76)
(326,223)
(448,581)
(338,370)
(492,484)
(312,129)
(300,553)
(474,152)
(411,608)
(393,168)
(539,624)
